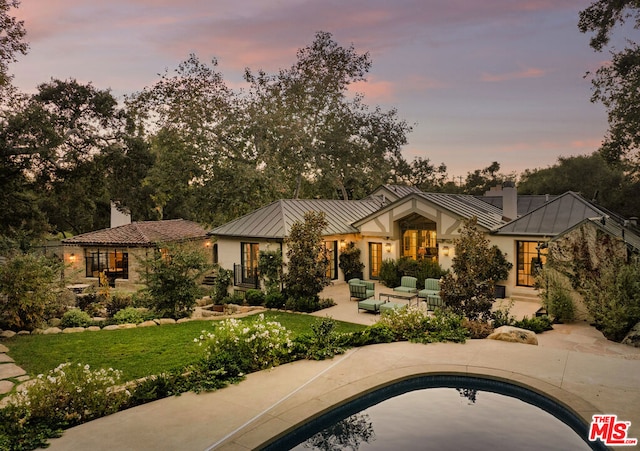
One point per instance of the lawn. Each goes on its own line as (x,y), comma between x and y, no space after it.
(136,352)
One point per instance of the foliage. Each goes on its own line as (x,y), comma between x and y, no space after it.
(66,396)
(221,284)
(482,180)
(172,279)
(615,83)
(30,291)
(556,297)
(374,334)
(389,274)
(537,324)
(275,300)
(252,345)
(348,433)
(476,267)
(349,261)
(414,324)
(12,42)
(128,315)
(76,318)
(254,297)
(321,343)
(270,268)
(117,302)
(308,261)
(501,316)
(305,304)
(477,329)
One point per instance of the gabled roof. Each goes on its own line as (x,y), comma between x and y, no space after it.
(274,221)
(611,227)
(395,192)
(463,205)
(526,202)
(145,233)
(554,217)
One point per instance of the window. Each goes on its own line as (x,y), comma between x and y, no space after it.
(113,262)
(332,254)
(530,260)
(419,238)
(249,262)
(375,260)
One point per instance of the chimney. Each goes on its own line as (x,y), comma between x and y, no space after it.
(509,201)
(119,218)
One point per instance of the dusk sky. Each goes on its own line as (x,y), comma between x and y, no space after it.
(480,81)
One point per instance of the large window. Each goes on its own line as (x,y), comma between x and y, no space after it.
(332,254)
(113,262)
(531,258)
(249,262)
(375,260)
(419,238)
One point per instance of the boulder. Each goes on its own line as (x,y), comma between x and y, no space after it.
(93,328)
(3,348)
(162,321)
(514,335)
(147,323)
(73,330)
(24,332)
(7,334)
(5,387)
(633,337)
(55,322)
(111,327)
(184,320)
(52,331)
(127,326)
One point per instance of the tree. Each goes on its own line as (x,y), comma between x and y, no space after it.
(616,85)
(12,33)
(350,263)
(308,133)
(480,181)
(31,291)
(477,267)
(422,174)
(306,272)
(172,278)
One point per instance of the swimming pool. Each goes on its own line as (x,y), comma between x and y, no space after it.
(442,413)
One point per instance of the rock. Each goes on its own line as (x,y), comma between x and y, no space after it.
(52,331)
(183,320)
(73,330)
(93,328)
(633,337)
(514,335)
(162,321)
(111,327)
(147,324)
(55,322)
(37,331)
(5,387)
(127,326)
(5,358)
(7,334)
(3,348)
(9,370)
(24,332)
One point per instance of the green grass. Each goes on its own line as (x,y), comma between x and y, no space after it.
(136,352)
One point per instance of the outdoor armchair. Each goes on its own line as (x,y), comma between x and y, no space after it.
(431,288)
(361,289)
(407,285)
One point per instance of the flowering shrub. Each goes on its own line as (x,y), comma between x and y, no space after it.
(66,396)
(254,345)
(414,324)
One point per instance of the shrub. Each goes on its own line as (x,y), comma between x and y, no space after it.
(414,324)
(321,343)
(172,277)
(349,262)
(76,318)
(90,302)
(251,345)
(270,270)
(389,274)
(477,329)
(275,300)
(501,316)
(117,302)
(254,297)
(129,315)
(30,287)
(67,396)
(221,285)
(374,334)
(537,324)
(556,298)
(305,304)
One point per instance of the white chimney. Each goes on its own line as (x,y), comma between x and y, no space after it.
(119,218)
(509,201)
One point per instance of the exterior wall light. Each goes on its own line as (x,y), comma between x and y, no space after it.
(445,251)
(72,258)
(387,247)
(207,244)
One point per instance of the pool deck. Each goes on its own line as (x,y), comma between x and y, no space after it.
(573,364)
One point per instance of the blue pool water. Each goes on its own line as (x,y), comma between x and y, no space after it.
(444,413)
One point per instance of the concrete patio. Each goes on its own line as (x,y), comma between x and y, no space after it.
(573,364)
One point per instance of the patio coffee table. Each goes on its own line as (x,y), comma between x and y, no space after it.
(401,295)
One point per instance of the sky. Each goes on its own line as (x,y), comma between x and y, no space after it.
(479,81)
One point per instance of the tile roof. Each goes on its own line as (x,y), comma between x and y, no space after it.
(274,221)
(145,233)
(554,217)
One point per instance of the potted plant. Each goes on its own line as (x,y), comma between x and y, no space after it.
(350,263)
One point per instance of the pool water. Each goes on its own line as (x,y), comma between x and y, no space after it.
(444,413)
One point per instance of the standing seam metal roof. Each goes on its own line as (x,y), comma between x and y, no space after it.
(274,221)
(467,206)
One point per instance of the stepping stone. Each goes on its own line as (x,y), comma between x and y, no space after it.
(5,358)
(3,348)
(9,370)
(5,387)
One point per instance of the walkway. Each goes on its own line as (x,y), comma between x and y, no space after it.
(573,364)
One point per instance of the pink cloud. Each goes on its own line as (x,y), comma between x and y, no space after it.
(517,75)
(379,91)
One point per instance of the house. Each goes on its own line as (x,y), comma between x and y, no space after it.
(118,250)
(400,221)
